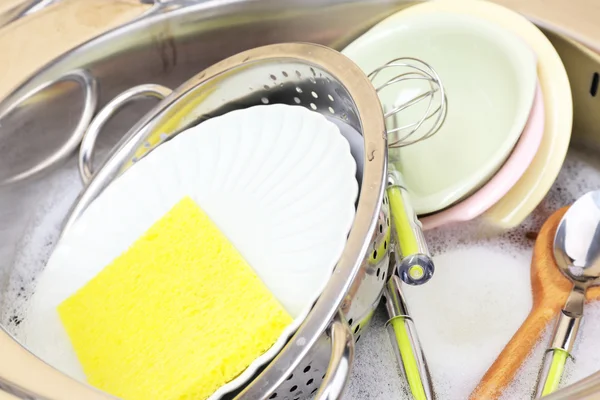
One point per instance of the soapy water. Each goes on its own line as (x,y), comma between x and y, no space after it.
(50,202)
(478,297)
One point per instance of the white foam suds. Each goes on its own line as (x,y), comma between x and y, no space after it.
(50,203)
(478,297)
(484,323)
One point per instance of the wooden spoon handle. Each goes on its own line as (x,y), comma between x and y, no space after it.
(504,369)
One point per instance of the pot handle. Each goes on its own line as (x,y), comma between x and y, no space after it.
(342,356)
(90,90)
(88,143)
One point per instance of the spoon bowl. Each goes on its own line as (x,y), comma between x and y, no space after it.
(577,241)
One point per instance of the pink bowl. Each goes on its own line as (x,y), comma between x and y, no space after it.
(520,158)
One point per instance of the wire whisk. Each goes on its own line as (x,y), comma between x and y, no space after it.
(421,107)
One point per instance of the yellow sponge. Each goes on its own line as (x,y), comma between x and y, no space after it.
(176,316)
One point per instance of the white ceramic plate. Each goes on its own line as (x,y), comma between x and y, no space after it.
(278,180)
(490,79)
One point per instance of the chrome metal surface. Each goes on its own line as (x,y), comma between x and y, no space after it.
(577,240)
(15,166)
(587,389)
(394,299)
(338,371)
(86,150)
(565,332)
(176,39)
(403,71)
(19,369)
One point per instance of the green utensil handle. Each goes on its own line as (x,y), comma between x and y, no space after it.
(406,357)
(415,266)
(555,358)
(407,348)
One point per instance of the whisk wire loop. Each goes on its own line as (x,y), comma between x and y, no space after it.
(431,120)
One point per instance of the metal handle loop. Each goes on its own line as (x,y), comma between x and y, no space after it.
(342,355)
(90,88)
(88,143)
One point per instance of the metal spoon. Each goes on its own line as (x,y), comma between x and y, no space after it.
(577,254)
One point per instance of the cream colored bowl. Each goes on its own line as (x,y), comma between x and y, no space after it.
(529,191)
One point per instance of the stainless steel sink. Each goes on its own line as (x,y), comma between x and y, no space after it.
(170,42)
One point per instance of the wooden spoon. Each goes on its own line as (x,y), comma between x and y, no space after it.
(550,291)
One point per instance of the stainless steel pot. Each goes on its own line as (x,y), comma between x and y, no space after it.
(170,43)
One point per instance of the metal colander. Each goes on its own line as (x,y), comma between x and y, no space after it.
(317,359)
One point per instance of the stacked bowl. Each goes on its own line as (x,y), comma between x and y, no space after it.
(509,115)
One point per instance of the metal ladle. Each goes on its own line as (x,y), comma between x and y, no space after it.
(577,254)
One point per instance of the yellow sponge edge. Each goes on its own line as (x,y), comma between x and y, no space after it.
(176,316)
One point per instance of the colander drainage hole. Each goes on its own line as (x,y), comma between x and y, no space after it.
(309,382)
(331,110)
(290,377)
(293,388)
(378,272)
(330,97)
(298,89)
(274,395)
(297,100)
(285,74)
(264,100)
(313,106)
(307,369)
(314,391)
(356,329)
